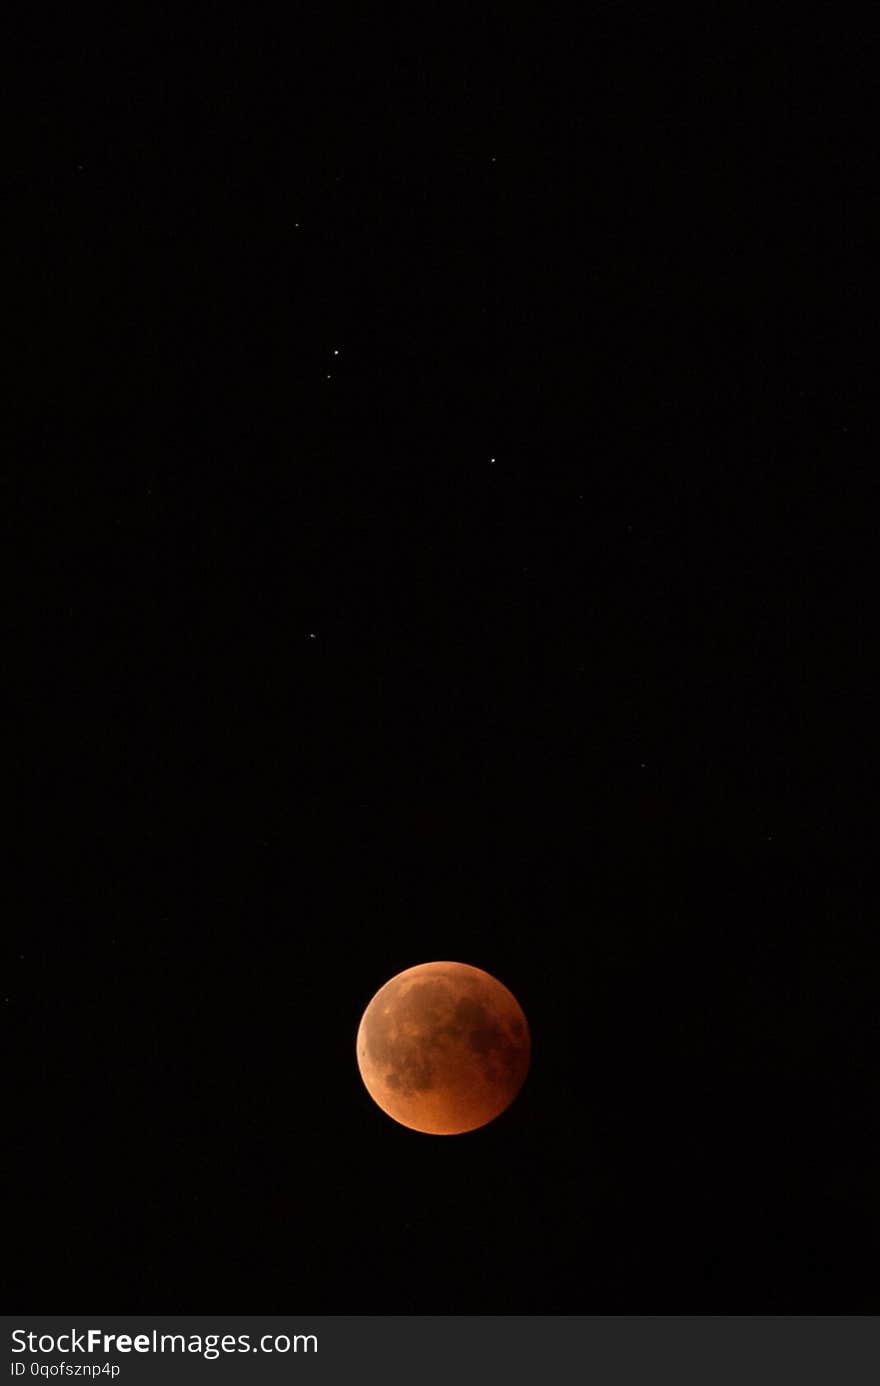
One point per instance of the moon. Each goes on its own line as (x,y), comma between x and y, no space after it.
(443,1048)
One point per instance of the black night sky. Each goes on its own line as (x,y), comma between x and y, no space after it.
(442,538)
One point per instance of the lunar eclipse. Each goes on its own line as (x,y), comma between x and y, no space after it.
(443,1048)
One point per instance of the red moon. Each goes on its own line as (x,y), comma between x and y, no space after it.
(443,1048)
